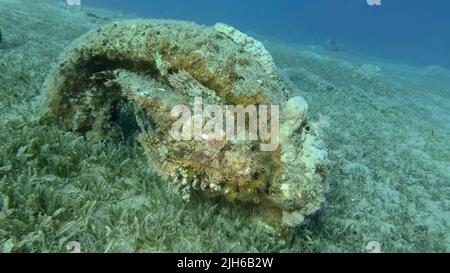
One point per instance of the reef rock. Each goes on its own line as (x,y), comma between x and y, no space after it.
(149,67)
(250,45)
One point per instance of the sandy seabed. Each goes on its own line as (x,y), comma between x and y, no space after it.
(386,128)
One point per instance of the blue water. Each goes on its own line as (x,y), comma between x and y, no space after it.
(410,31)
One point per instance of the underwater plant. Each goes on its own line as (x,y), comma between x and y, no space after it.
(145,68)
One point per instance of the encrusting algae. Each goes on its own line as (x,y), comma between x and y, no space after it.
(156,65)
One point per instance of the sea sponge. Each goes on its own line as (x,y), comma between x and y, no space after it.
(294,115)
(156,65)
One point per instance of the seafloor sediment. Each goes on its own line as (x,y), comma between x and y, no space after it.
(386,127)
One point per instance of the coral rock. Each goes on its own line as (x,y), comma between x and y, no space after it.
(152,66)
